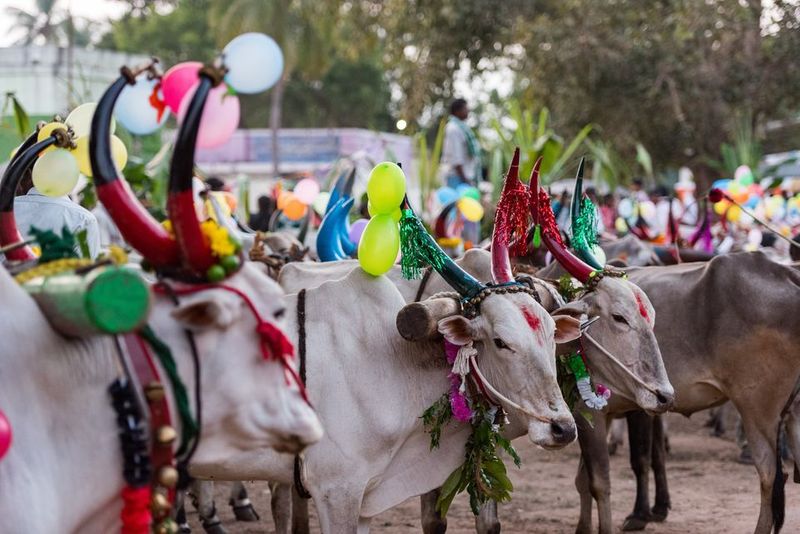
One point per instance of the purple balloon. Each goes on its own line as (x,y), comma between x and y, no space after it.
(356,229)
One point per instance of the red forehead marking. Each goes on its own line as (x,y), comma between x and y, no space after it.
(642,307)
(533,321)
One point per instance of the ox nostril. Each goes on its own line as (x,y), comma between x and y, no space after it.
(562,433)
(664,400)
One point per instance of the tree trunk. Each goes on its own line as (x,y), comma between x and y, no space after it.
(276,104)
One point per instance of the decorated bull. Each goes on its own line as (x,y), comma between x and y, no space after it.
(55,390)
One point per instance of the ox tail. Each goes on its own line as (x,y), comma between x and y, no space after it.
(778,503)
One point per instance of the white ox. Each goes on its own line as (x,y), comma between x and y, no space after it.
(66,454)
(370,386)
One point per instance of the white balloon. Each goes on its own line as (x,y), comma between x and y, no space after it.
(55,173)
(135,111)
(254,62)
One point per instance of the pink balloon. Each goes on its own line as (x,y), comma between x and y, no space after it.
(5,435)
(306,190)
(220,116)
(177,81)
(356,229)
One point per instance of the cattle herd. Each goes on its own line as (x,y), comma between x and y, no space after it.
(314,376)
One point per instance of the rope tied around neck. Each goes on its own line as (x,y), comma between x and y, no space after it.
(273,342)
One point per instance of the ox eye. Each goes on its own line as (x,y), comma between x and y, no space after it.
(619,318)
(279,313)
(499,343)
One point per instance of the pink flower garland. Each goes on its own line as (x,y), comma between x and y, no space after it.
(459,404)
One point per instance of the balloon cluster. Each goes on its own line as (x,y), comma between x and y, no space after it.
(57,171)
(380,240)
(467,199)
(254,63)
(294,204)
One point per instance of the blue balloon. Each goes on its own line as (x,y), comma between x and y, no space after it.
(722,184)
(254,62)
(446,195)
(752,202)
(462,189)
(135,110)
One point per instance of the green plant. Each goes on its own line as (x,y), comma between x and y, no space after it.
(428,163)
(744,148)
(21,121)
(535,138)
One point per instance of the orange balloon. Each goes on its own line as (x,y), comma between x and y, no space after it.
(230,199)
(284,197)
(294,209)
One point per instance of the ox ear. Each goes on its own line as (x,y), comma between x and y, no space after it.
(457,329)
(567,328)
(577,309)
(207,309)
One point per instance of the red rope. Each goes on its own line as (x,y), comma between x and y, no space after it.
(274,343)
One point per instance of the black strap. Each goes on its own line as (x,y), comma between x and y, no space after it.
(301,349)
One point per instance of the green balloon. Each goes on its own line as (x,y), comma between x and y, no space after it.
(472,192)
(386,187)
(379,245)
(747,179)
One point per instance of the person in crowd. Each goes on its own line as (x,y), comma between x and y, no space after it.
(608,213)
(32,209)
(260,220)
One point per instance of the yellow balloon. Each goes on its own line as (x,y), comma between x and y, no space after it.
(56,173)
(721,207)
(81,154)
(470,208)
(47,130)
(734,213)
(620,225)
(81,119)
(386,187)
(119,152)
(379,245)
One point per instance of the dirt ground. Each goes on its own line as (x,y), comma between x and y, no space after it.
(710,492)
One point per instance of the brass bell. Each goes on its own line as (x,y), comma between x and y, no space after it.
(159,503)
(168,526)
(165,435)
(168,476)
(154,391)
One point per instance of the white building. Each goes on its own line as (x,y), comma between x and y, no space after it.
(49,80)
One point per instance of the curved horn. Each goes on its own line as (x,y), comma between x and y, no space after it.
(440,226)
(347,189)
(550,236)
(26,144)
(580,245)
(23,160)
(337,191)
(350,248)
(193,245)
(135,224)
(304,226)
(422,244)
(501,261)
(329,245)
(419,321)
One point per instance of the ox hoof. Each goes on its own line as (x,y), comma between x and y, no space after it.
(245,513)
(659,513)
(184,528)
(214,528)
(634,523)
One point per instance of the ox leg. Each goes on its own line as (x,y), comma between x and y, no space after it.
(763,444)
(300,523)
(339,510)
(659,465)
(180,513)
(593,480)
(281,505)
(203,493)
(616,436)
(487,521)
(432,521)
(240,502)
(640,440)
(793,435)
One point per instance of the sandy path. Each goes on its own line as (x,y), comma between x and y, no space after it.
(710,492)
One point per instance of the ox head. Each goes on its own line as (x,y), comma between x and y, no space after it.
(514,336)
(253,406)
(621,348)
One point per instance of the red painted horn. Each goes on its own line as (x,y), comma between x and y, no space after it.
(193,245)
(543,215)
(137,226)
(501,261)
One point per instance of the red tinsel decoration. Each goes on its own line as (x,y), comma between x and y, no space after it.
(512,218)
(135,514)
(547,218)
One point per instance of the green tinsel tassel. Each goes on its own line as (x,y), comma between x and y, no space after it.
(584,227)
(418,248)
(537,236)
(577,366)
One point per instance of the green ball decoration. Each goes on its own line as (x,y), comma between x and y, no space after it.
(386,187)
(230,263)
(379,245)
(215,273)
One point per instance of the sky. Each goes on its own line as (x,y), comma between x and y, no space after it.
(99,10)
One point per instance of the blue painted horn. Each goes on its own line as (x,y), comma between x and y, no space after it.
(329,244)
